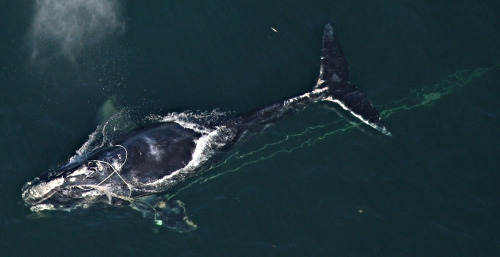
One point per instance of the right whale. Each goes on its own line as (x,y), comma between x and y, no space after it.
(136,168)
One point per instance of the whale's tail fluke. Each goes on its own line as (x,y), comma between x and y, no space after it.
(334,79)
(333,85)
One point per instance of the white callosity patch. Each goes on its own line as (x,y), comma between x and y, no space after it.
(42,207)
(91,193)
(116,163)
(41,190)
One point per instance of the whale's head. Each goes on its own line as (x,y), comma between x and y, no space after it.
(143,162)
(78,185)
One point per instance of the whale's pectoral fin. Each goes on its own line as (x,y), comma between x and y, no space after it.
(170,214)
(334,75)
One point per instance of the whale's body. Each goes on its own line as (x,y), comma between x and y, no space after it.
(147,161)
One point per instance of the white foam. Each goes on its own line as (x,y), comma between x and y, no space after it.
(211,140)
(116,125)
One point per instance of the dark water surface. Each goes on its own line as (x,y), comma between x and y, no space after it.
(313,185)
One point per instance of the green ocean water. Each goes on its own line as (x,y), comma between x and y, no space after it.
(313,185)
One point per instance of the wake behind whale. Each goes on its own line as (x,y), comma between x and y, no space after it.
(133,169)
